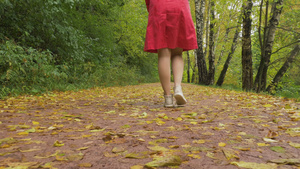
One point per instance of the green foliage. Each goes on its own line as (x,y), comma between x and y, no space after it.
(69,44)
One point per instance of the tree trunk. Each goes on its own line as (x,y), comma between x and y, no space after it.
(283,69)
(211,55)
(207,28)
(268,45)
(202,69)
(247,72)
(229,57)
(188,67)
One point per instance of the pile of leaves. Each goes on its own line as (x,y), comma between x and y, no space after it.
(128,127)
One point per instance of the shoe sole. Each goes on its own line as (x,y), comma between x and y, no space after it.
(180,100)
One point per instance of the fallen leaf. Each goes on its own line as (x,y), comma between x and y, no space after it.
(221,144)
(165,162)
(254,165)
(278,149)
(58,144)
(194,156)
(137,167)
(87,165)
(296,145)
(269,140)
(286,161)
(230,153)
(263,144)
(139,155)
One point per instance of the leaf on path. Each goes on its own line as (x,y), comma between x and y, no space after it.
(107,154)
(137,167)
(278,149)
(30,150)
(139,155)
(242,148)
(87,165)
(296,145)
(221,144)
(262,144)
(293,131)
(165,162)
(118,149)
(269,140)
(35,123)
(21,165)
(158,148)
(272,134)
(58,144)
(254,165)
(202,149)
(286,161)
(75,157)
(230,153)
(199,141)
(194,156)
(82,148)
(211,155)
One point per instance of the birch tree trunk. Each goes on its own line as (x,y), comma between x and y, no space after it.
(229,57)
(207,28)
(261,77)
(247,71)
(202,69)
(211,55)
(284,68)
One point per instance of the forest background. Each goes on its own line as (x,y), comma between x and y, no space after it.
(62,45)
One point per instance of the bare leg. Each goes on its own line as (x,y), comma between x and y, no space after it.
(164,57)
(177,65)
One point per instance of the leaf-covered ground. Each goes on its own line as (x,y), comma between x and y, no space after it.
(127,127)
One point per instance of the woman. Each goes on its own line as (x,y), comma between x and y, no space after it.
(170,31)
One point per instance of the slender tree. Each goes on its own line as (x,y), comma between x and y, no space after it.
(229,57)
(202,69)
(211,55)
(247,71)
(188,67)
(267,44)
(284,68)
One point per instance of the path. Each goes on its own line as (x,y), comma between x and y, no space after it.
(124,127)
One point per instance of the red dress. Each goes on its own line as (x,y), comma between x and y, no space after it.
(170,25)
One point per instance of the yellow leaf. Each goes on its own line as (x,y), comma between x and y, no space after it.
(194,122)
(30,150)
(268,105)
(23,133)
(199,141)
(263,144)
(194,156)
(296,145)
(82,148)
(137,167)
(87,165)
(222,144)
(254,165)
(58,144)
(159,122)
(179,119)
(35,123)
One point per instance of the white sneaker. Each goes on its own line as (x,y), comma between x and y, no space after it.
(168,101)
(180,100)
